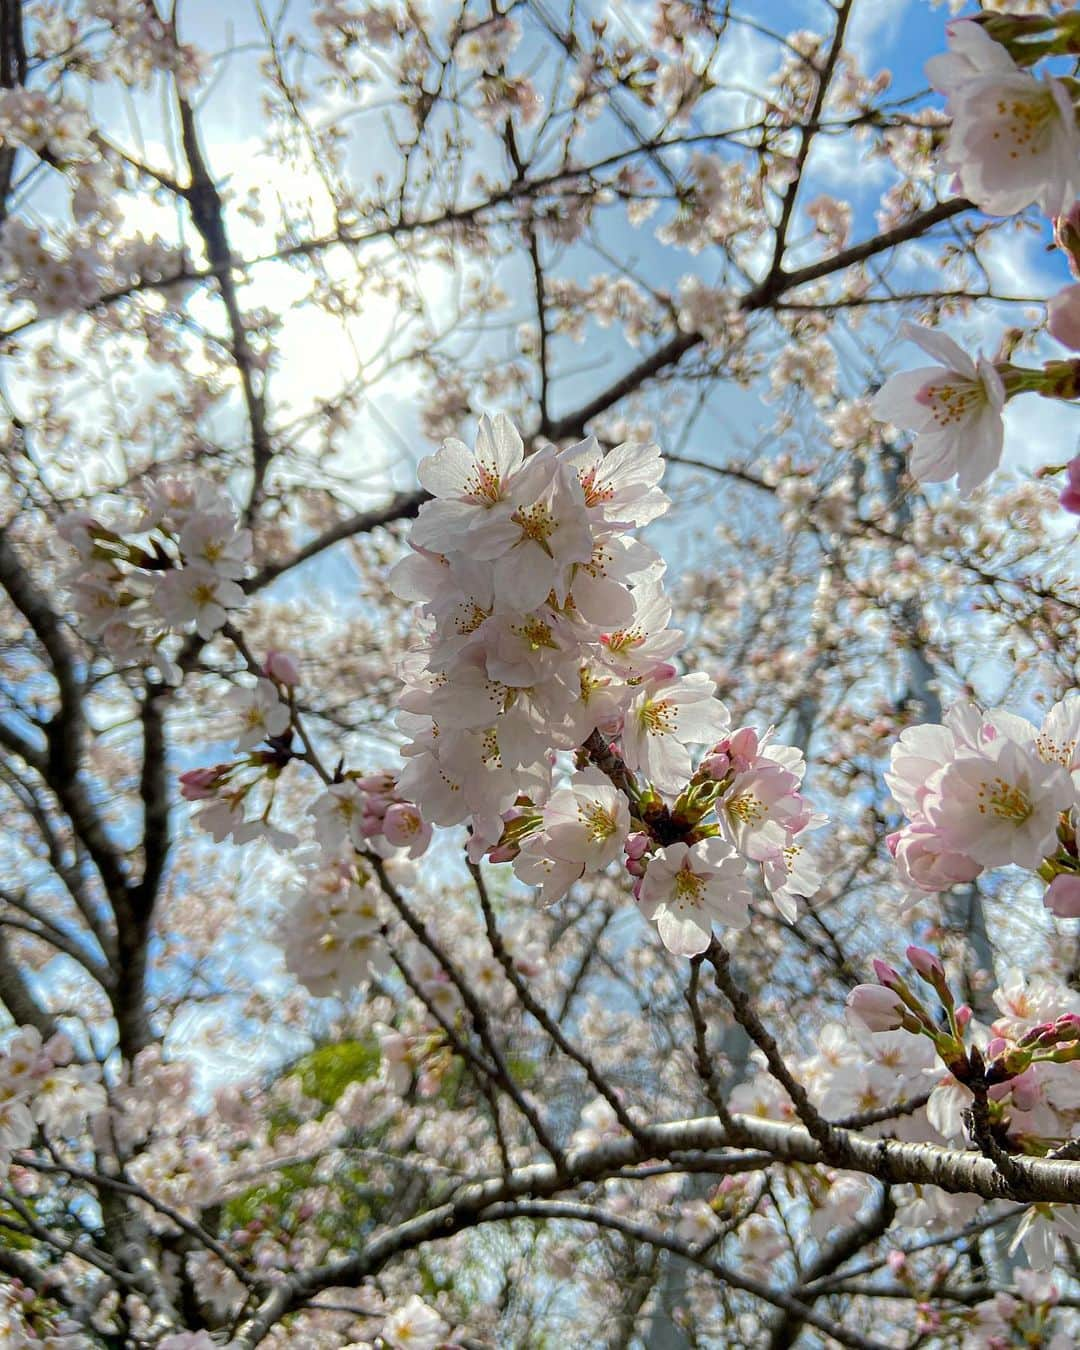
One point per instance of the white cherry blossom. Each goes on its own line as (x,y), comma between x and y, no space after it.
(666,716)
(1000,805)
(260,712)
(471,490)
(197,595)
(688,888)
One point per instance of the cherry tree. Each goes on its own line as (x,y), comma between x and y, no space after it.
(539,744)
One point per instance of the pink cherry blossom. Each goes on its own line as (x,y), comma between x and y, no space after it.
(471,489)
(1014,141)
(876,1007)
(282,667)
(955,412)
(1063,316)
(404,827)
(260,712)
(1070,496)
(923,861)
(1063,896)
(1000,805)
(197,595)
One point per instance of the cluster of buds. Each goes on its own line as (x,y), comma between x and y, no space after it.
(1056,1042)
(893,1005)
(1016,1081)
(367,811)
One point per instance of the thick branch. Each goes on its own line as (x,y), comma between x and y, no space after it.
(889,1160)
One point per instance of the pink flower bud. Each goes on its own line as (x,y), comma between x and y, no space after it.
(636,845)
(996,1047)
(376,807)
(714,767)
(663,670)
(925,963)
(887,975)
(1070,496)
(282,667)
(635,867)
(1063,894)
(1067,237)
(503,853)
(877,1008)
(198,784)
(1025,1091)
(1063,317)
(1067,1027)
(963,1016)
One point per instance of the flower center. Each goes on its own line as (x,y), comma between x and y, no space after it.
(469,618)
(595,492)
(951,403)
(484,484)
(204,594)
(536,522)
(1025,122)
(1055,752)
(657,717)
(624,638)
(746,807)
(599,824)
(689,887)
(1004,800)
(537,634)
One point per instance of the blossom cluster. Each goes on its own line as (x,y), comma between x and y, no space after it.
(985,789)
(179,567)
(547,631)
(1014,142)
(29,1323)
(330,926)
(1022,1068)
(40,1087)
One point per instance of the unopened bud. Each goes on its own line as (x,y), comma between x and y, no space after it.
(926,964)
(1067,237)
(282,667)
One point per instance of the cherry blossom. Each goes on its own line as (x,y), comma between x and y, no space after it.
(1014,140)
(669,714)
(955,412)
(414,1326)
(688,888)
(261,713)
(582,828)
(1000,805)
(1063,896)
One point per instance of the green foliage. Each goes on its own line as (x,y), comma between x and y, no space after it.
(325,1073)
